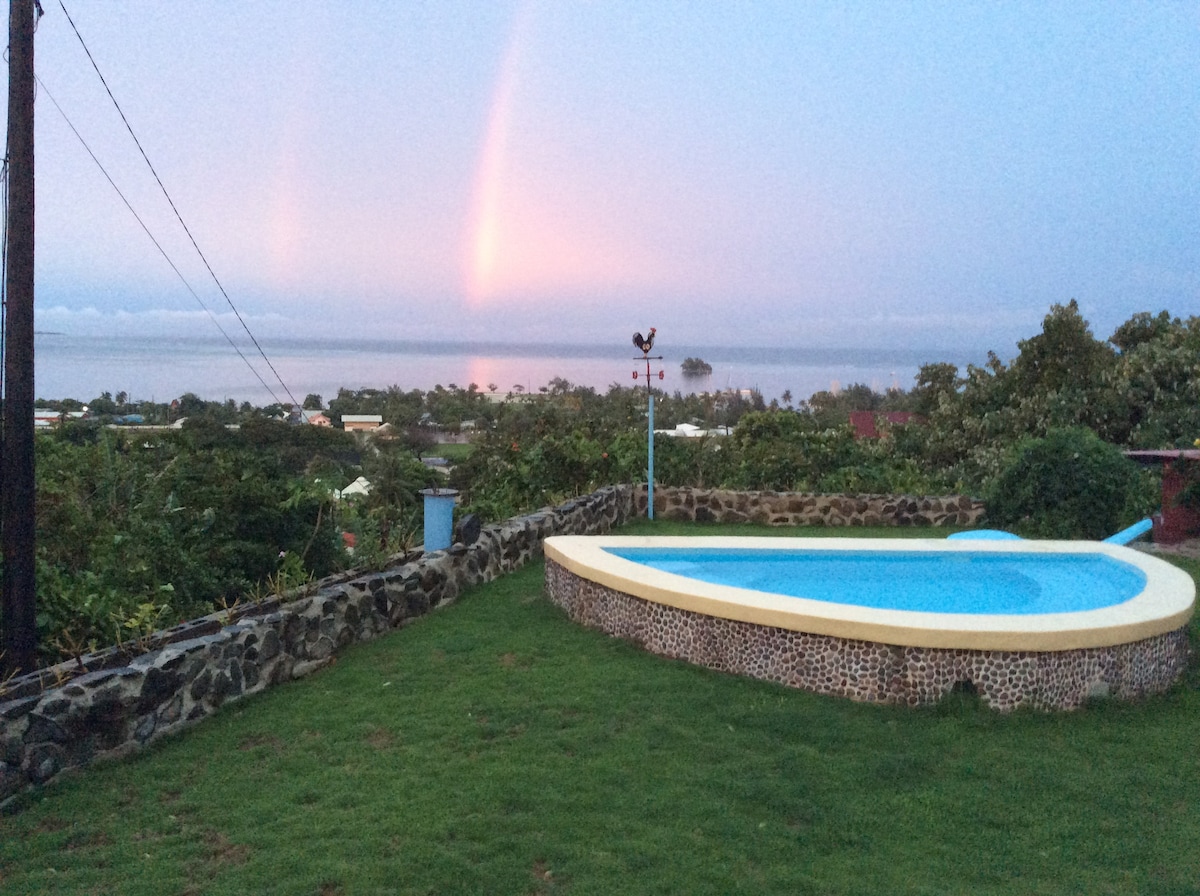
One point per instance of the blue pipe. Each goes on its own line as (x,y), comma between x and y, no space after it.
(1141,527)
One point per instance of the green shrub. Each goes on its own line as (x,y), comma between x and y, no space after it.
(1069,484)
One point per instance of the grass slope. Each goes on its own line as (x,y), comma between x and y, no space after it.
(494,747)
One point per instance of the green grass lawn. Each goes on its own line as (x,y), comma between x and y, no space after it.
(495,747)
(455,452)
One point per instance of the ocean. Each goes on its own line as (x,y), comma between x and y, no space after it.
(161,368)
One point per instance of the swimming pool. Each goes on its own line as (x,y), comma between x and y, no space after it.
(986,582)
(1011,622)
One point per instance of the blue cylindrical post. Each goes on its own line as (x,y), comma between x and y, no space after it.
(439,517)
(650,454)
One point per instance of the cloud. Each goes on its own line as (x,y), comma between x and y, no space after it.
(96,321)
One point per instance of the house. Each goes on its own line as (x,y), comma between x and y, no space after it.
(298,415)
(866,423)
(359,487)
(691,431)
(361,422)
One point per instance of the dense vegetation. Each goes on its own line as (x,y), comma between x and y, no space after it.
(1140,389)
(139,528)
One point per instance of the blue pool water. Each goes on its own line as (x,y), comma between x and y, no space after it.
(942,582)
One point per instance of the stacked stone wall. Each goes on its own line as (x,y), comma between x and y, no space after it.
(115,702)
(111,703)
(805,509)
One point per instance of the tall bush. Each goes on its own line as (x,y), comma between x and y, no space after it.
(1068,484)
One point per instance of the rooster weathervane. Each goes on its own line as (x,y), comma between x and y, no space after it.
(644,344)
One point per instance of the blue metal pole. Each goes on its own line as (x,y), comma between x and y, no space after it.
(650,471)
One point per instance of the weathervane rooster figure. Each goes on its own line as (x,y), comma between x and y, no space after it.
(644,344)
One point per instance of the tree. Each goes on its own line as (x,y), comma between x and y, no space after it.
(313,402)
(396,477)
(833,408)
(1156,385)
(1064,355)
(1063,377)
(695,367)
(103,405)
(176,519)
(1143,328)
(935,383)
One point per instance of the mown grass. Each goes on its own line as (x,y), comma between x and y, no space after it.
(455,452)
(494,747)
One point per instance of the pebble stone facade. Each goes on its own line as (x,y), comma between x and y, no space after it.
(874,672)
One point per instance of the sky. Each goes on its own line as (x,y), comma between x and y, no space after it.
(787,173)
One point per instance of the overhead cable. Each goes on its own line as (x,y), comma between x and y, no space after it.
(171,202)
(157,245)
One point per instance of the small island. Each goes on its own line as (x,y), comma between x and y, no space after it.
(695,367)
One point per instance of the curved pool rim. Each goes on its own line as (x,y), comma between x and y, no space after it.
(1164,605)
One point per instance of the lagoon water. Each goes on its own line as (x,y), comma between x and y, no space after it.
(165,367)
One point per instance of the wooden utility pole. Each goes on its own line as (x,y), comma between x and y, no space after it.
(16,446)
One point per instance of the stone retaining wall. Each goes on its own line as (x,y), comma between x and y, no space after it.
(120,704)
(803,509)
(113,703)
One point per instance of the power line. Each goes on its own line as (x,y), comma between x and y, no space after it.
(157,245)
(178,216)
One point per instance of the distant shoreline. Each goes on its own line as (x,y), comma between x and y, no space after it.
(166,367)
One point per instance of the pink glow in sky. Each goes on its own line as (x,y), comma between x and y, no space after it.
(781,173)
(541,231)
(485,252)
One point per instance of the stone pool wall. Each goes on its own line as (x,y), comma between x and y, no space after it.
(110,704)
(710,505)
(870,671)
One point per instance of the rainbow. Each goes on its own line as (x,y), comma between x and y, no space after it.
(483,243)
